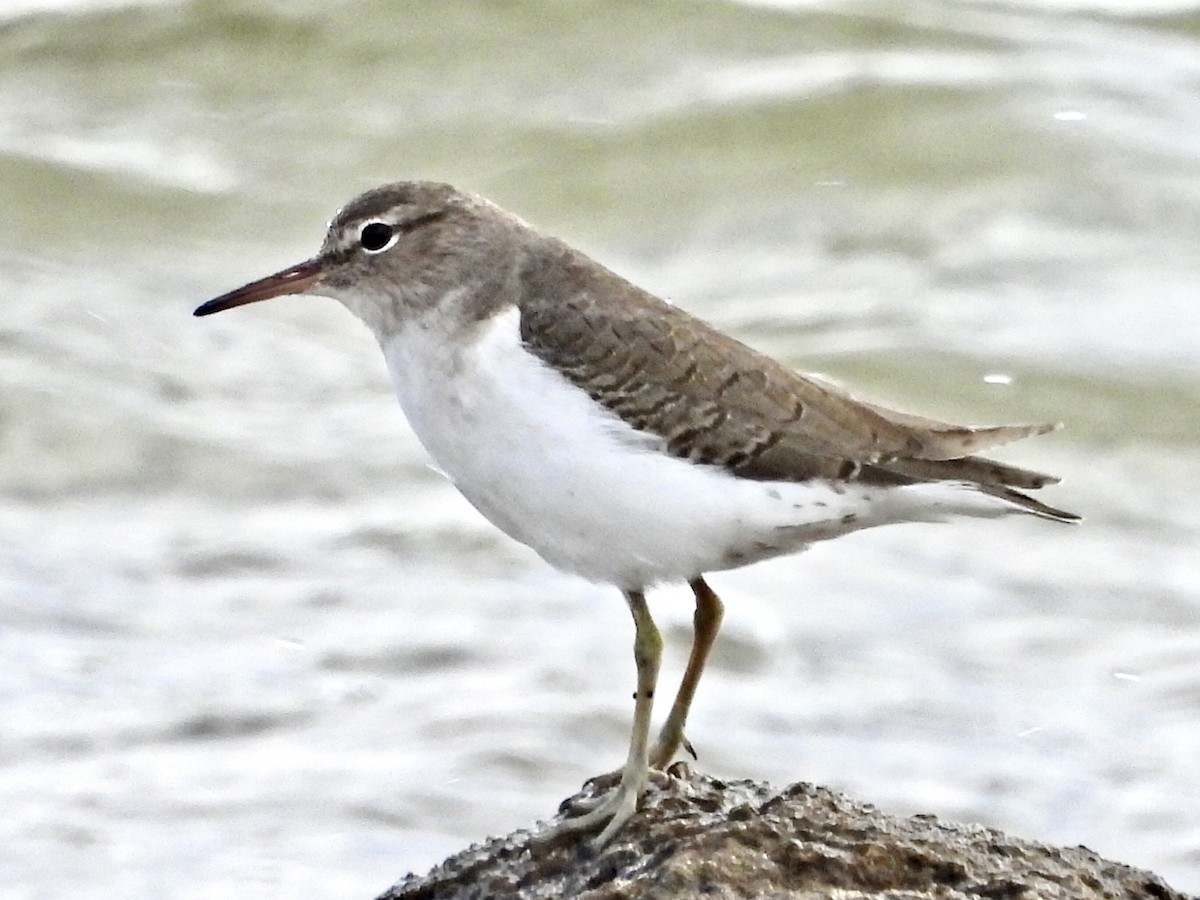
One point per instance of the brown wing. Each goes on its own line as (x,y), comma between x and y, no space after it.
(713,400)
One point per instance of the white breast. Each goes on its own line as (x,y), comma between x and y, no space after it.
(593,496)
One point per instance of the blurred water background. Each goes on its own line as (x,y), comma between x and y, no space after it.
(252,645)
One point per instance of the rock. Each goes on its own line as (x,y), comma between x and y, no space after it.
(696,836)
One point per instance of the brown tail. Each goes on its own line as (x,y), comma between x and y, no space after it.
(1029,504)
(990,477)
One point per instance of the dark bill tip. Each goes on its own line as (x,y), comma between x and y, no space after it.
(295,280)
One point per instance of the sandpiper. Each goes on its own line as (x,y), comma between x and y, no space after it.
(621,438)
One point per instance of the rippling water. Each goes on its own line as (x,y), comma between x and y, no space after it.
(250,642)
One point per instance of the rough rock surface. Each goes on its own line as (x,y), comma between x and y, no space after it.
(695,836)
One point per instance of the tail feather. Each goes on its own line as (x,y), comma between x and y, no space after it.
(996,479)
(974,469)
(1029,504)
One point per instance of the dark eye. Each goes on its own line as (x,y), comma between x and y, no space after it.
(376,237)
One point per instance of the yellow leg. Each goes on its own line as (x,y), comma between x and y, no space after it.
(706,623)
(619,806)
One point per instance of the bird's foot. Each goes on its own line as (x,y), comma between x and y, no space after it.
(610,810)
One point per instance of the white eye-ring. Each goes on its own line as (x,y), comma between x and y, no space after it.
(376,236)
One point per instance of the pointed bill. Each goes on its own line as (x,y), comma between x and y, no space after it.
(295,280)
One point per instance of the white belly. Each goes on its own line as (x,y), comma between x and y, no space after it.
(593,496)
